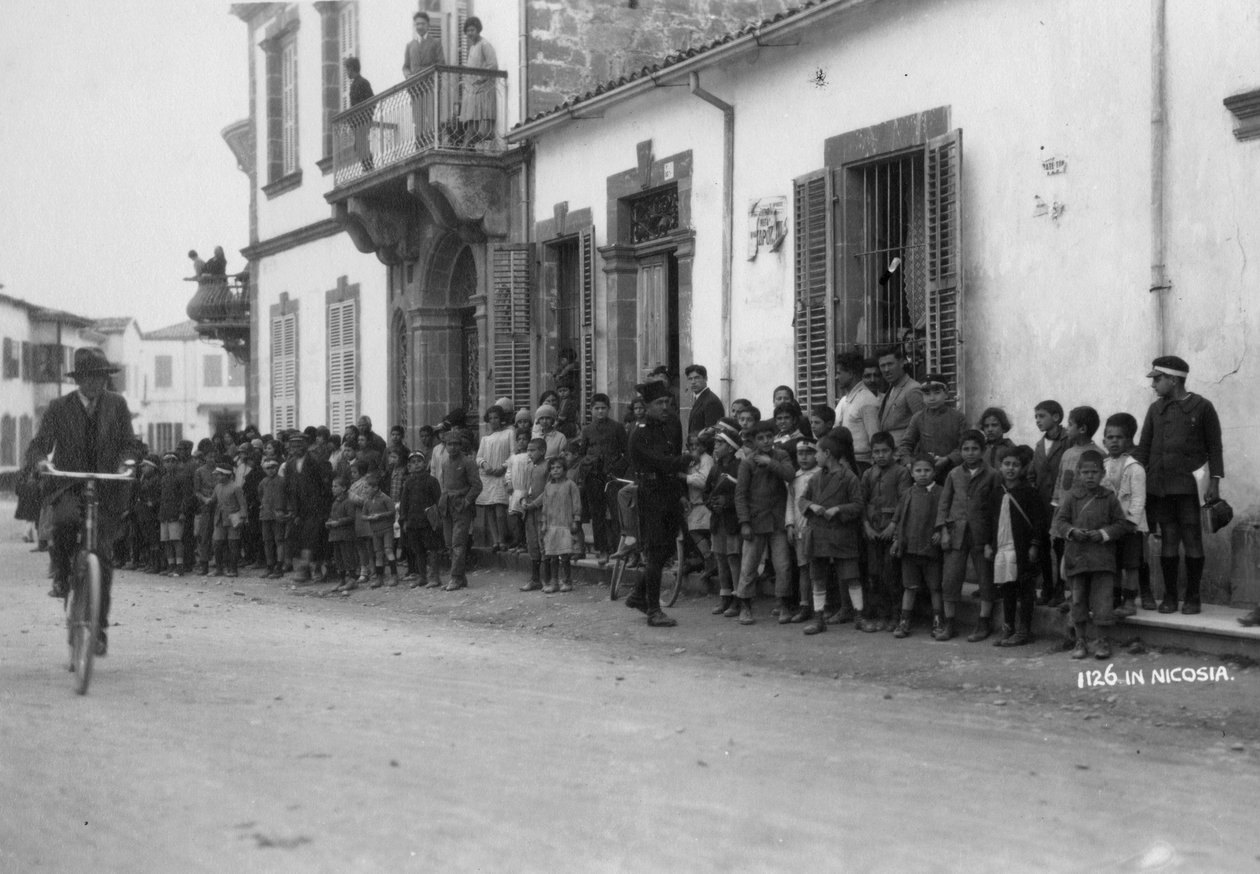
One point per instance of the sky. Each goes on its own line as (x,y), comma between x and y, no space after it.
(112,161)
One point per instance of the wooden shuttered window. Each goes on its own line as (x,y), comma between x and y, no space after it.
(586,253)
(288,108)
(347,44)
(512,370)
(812,316)
(943,194)
(342,365)
(284,372)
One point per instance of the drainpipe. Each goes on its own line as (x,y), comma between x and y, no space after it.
(1160,285)
(728,222)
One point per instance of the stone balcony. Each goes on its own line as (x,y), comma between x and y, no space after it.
(430,150)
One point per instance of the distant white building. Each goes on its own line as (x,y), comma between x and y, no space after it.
(36,351)
(186,388)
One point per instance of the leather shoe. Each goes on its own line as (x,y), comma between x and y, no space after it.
(453,585)
(658,619)
(1248,620)
(1190,608)
(1167,606)
(60,588)
(531,586)
(636,602)
(102,644)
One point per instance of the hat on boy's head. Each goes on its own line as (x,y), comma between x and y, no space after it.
(270,464)
(545,411)
(806,446)
(223,466)
(150,460)
(653,391)
(522,415)
(504,404)
(725,437)
(935,382)
(1170,365)
(417,454)
(297,437)
(170,455)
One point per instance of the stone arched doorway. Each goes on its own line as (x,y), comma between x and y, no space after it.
(439,334)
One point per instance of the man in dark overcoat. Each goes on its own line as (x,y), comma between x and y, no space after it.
(660,468)
(308,495)
(87,430)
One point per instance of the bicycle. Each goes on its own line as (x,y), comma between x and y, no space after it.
(627,546)
(83,600)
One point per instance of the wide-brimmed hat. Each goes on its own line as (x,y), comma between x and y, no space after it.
(90,360)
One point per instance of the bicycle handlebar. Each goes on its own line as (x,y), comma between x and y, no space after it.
(49,470)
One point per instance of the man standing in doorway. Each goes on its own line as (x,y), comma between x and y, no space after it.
(1181,434)
(903,398)
(660,469)
(858,409)
(706,407)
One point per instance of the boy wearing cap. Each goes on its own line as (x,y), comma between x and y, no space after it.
(936,430)
(965,519)
(461,484)
(176,493)
(1180,434)
(832,506)
(271,519)
(761,505)
(420,494)
(229,516)
(606,445)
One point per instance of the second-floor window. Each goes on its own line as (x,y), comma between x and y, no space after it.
(11,363)
(288,107)
(162,371)
(347,44)
(213,371)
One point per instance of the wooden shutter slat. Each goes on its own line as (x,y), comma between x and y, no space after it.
(812,312)
(512,375)
(943,208)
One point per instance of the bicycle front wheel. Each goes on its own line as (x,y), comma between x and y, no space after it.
(672,577)
(84,618)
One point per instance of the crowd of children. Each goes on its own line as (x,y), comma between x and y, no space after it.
(845,539)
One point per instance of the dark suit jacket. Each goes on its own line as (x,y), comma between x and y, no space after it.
(66,433)
(308,494)
(706,409)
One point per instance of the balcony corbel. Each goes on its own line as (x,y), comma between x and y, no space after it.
(470,200)
(378,227)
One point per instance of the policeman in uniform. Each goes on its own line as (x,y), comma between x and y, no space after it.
(659,467)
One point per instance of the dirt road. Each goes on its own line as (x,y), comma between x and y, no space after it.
(246,727)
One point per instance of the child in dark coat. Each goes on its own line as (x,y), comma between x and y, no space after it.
(420,494)
(966,524)
(340,527)
(832,505)
(173,504)
(1015,544)
(916,542)
(1090,520)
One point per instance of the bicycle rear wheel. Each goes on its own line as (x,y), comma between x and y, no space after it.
(672,577)
(83,616)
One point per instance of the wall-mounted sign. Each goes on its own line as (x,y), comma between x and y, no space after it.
(767,224)
(1054,165)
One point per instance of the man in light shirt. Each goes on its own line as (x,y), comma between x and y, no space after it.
(858,409)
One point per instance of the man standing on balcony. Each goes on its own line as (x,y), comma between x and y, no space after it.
(217,265)
(360,90)
(422,52)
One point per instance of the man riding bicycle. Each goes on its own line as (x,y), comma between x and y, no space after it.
(89,430)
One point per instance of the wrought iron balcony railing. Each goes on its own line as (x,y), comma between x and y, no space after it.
(459,109)
(220,301)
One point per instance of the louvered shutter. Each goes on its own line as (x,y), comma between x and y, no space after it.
(342,376)
(284,372)
(347,44)
(586,247)
(812,319)
(288,107)
(943,194)
(461,41)
(512,376)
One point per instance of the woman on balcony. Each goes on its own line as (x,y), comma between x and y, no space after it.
(477,108)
